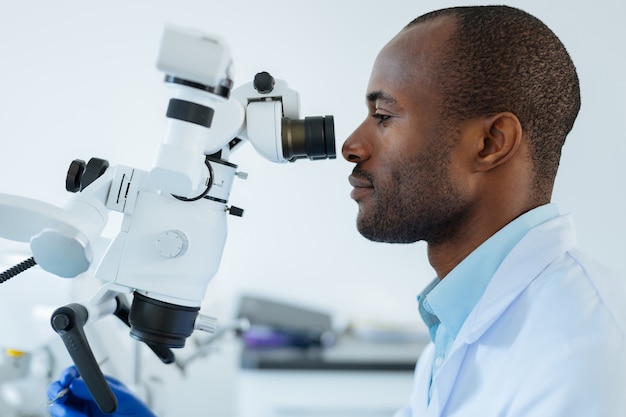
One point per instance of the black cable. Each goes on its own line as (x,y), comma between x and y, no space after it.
(17,269)
(206,190)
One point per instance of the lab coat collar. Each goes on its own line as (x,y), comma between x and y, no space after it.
(537,249)
(557,236)
(453,299)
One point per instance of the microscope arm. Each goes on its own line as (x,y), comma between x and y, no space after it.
(60,238)
(22,218)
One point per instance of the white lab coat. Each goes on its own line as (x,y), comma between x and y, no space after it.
(546,339)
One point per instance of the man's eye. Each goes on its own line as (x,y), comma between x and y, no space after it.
(381,117)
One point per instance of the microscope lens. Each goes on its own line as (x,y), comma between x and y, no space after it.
(161,323)
(313,138)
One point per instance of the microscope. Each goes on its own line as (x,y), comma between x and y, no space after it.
(174,222)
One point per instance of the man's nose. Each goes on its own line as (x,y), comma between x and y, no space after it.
(354,148)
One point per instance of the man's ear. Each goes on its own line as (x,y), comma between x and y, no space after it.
(502,137)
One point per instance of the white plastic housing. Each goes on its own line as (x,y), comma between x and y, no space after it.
(133,259)
(179,168)
(223,177)
(264,129)
(60,239)
(194,56)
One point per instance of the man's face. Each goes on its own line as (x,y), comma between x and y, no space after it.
(407,179)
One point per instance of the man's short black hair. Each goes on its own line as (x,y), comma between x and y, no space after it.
(503,59)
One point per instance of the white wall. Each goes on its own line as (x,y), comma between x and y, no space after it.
(77,79)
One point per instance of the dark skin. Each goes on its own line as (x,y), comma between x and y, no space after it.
(418,177)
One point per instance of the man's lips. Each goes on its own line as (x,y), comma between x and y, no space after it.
(362,187)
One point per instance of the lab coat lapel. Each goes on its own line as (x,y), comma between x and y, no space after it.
(534,254)
(540,247)
(444,380)
(420,404)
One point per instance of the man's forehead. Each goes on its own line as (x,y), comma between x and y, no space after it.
(408,61)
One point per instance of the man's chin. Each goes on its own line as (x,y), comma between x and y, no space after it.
(368,230)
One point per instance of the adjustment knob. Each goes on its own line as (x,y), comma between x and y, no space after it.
(94,170)
(75,175)
(235,211)
(263,82)
(172,243)
(205,323)
(60,322)
(81,174)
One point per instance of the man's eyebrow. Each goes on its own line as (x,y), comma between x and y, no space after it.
(380,96)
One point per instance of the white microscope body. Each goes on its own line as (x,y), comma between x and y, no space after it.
(174,217)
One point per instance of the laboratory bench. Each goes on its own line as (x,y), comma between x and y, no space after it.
(353,377)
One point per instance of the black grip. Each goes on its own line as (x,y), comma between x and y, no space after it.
(69,322)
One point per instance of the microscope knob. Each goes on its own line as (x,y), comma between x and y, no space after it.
(205,323)
(81,174)
(172,243)
(75,175)
(95,168)
(263,82)
(235,211)
(60,322)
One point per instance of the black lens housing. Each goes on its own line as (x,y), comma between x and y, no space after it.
(313,138)
(157,322)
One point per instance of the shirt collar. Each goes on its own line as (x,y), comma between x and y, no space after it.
(428,316)
(449,301)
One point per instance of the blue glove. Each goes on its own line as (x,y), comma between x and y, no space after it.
(78,401)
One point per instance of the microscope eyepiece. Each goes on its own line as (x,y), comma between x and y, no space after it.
(313,138)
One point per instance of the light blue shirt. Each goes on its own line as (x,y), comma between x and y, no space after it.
(445,304)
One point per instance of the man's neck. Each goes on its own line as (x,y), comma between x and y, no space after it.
(445,256)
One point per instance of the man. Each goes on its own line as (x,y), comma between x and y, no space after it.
(468,111)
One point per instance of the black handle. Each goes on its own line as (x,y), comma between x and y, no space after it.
(69,322)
